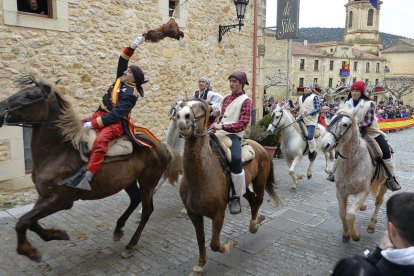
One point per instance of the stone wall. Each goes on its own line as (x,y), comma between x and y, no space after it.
(84,59)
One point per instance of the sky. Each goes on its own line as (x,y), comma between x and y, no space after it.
(395,15)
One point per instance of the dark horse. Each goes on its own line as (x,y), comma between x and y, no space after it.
(205,186)
(56,134)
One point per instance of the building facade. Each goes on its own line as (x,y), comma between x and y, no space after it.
(78,42)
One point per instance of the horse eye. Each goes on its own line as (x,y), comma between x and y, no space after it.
(187,116)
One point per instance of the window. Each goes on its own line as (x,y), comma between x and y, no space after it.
(316,65)
(355,66)
(350,20)
(302,64)
(367,68)
(315,80)
(353,80)
(366,81)
(377,68)
(370,17)
(331,50)
(55,14)
(376,82)
(330,82)
(387,69)
(343,80)
(343,64)
(169,7)
(36,7)
(301,81)
(331,65)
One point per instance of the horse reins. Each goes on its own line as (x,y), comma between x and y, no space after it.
(334,123)
(196,119)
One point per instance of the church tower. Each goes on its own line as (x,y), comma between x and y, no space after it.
(362,26)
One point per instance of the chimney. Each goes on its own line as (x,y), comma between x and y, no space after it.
(305,42)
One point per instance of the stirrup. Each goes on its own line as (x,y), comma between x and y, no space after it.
(393,184)
(235,207)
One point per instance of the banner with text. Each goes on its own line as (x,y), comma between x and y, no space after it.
(287,19)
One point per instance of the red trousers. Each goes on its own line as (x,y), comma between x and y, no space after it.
(100,146)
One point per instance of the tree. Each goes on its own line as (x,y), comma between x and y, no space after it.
(398,86)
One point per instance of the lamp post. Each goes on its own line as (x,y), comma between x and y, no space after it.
(240,10)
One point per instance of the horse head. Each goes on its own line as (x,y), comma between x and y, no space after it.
(192,118)
(277,119)
(338,129)
(29,105)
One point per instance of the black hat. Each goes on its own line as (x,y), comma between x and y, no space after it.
(139,78)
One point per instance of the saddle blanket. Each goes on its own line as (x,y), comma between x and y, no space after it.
(119,146)
(247,150)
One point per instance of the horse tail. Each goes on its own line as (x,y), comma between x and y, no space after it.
(271,184)
(174,168)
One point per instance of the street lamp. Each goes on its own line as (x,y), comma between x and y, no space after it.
(240,10)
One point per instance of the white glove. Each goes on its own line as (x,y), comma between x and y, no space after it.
(138,41)
(87,125)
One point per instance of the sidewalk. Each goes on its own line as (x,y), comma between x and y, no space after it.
(302,237)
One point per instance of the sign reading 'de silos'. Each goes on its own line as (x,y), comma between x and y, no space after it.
(287,19)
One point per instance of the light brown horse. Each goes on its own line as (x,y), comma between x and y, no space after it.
(205,186)
(56,134)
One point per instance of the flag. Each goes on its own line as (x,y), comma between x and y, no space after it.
(374,3)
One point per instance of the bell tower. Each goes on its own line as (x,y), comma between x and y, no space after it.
(362,26)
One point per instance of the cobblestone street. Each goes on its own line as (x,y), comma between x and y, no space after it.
(302,237)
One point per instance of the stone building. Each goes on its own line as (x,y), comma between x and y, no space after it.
(78,42)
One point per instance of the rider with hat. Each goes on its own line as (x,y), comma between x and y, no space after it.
(309,107)
(112,116)
(206,93)
(235,112)
(368,125)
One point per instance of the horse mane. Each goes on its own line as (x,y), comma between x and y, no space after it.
(68,123)
(290,116)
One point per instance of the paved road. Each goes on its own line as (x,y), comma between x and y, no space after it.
(303,237)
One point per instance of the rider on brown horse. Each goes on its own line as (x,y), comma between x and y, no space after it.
(112,117)
(235,111)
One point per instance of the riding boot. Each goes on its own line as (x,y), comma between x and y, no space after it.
(312,149)
(389,167)
(239,184)
(85,183)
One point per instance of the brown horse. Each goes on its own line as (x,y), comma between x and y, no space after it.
(205,186)
(56,135)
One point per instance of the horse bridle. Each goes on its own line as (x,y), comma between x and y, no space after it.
(333,124)
(9,110)
(196,119)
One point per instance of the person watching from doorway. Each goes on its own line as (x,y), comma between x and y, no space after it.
(395,253)
(206,93)
(235,113)
(33,6)
(309,108)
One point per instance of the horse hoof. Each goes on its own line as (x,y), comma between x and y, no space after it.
(345,238)
(61,235)
(261,218)
(127,253)
(198,269)
(356,238)
(309,176)
(363,207)
(33,255)
(370,230)
(293,188)
(118,234)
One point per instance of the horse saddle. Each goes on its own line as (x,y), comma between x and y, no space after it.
(119,146)
(304,130)
(225,143)
(374,149)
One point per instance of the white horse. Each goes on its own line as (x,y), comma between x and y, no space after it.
(355,172)
(294,145)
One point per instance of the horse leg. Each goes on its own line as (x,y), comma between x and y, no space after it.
(44,207)
(309,170)
(215,239)
(378,202)
(292,174)
(343,201)
(255,202)
(198,223)
(327,169)
(356,204)
(135,198)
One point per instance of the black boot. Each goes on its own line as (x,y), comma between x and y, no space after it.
(312,156)
(393,184)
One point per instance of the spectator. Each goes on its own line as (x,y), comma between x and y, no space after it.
(33,6)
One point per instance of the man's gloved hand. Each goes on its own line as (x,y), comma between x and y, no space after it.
(87,125)
(138,41)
